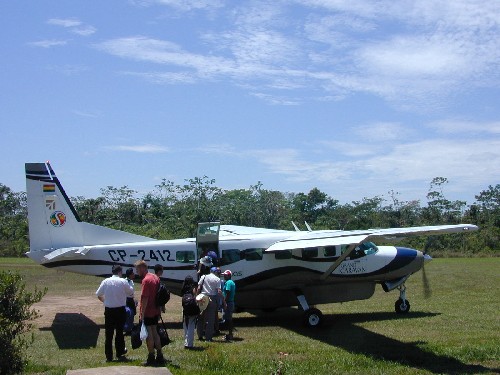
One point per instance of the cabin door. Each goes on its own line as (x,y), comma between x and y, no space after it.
(207,239)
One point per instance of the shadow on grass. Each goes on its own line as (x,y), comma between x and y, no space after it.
(343,332)
(73,331)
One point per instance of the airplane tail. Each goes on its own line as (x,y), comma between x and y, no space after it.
(54,224)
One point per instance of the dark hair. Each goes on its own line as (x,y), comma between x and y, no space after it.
(129,272)
(158,267)
(188,285)
(116,269)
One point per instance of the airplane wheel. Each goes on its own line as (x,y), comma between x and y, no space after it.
(402,308)
(313,318)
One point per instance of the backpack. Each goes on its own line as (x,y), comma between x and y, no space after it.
(189,305)
(162,295)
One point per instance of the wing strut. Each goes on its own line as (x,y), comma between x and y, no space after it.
(341,258)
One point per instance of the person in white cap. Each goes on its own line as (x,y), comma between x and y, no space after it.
(209,285)
(204,266)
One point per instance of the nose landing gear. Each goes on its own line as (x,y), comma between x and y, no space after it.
(402,305)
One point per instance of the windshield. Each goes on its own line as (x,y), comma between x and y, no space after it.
(363,249)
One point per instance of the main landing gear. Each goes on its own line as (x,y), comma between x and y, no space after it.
(402,305)
(312,316)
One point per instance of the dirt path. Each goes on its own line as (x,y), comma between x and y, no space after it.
(89,306)
(49,306)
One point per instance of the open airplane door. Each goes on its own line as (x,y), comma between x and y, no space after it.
(207,239)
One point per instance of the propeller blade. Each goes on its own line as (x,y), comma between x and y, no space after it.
(425,283)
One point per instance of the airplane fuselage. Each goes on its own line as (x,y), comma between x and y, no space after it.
(263,279)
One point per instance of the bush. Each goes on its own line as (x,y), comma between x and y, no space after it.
(15,316)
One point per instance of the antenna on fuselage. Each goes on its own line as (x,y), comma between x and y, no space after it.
(296,227)
(308,226)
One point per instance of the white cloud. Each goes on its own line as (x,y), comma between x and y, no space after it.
(166,78)
(460,127)
(64,22)
(145,148)
(334,48)
(383,132)
(183,5)
(408,165)
(84,30)
(222,149)
(74,25)
(165,52)
(48,43)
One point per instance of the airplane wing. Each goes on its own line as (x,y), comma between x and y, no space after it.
(392,234)
(332,238)
(232,230)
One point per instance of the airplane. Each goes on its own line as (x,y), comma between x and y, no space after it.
(271,268)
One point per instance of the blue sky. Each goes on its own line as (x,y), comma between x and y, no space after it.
(353,97)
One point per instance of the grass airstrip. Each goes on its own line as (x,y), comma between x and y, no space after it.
(456,330)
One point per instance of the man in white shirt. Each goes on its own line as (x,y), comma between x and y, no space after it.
(113,292)
(209,285)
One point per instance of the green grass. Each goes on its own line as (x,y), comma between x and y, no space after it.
(457,330)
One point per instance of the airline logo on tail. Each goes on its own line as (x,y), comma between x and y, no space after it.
(58,219)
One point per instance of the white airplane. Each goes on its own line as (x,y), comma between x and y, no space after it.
(271,268)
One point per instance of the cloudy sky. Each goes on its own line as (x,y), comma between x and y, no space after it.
(353,97)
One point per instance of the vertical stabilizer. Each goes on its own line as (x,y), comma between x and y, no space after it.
(54,224)
(53,221)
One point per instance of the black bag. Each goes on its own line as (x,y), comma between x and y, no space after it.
(135,338)
(162,332)
(189,305)
(162,295)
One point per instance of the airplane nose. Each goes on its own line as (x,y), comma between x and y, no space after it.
(427,258)
(411,258)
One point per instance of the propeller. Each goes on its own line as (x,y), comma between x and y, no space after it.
(427,258)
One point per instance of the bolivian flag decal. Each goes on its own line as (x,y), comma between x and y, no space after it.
(49,188)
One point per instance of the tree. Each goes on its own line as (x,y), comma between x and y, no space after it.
(13,222)
(15,317)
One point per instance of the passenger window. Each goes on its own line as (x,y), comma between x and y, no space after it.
(230,256)
(329,251)
(252,254)
(283,254)
(309,252)
(184,257)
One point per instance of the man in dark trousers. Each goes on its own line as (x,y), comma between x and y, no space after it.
(113,292)
(149,313)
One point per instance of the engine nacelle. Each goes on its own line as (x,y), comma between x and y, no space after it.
(393,284)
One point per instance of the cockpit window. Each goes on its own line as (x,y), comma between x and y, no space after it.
(363,249)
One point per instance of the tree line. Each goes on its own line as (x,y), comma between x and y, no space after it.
(173,210)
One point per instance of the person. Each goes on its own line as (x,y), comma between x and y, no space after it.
(220,303)
(189,321)
(159,272)
(131,305)
(213,255)
(208,285)
(229,292)
(113,292)
(149,313)
(204,266)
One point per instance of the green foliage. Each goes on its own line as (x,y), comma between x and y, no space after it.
(173,211)
(15,317)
